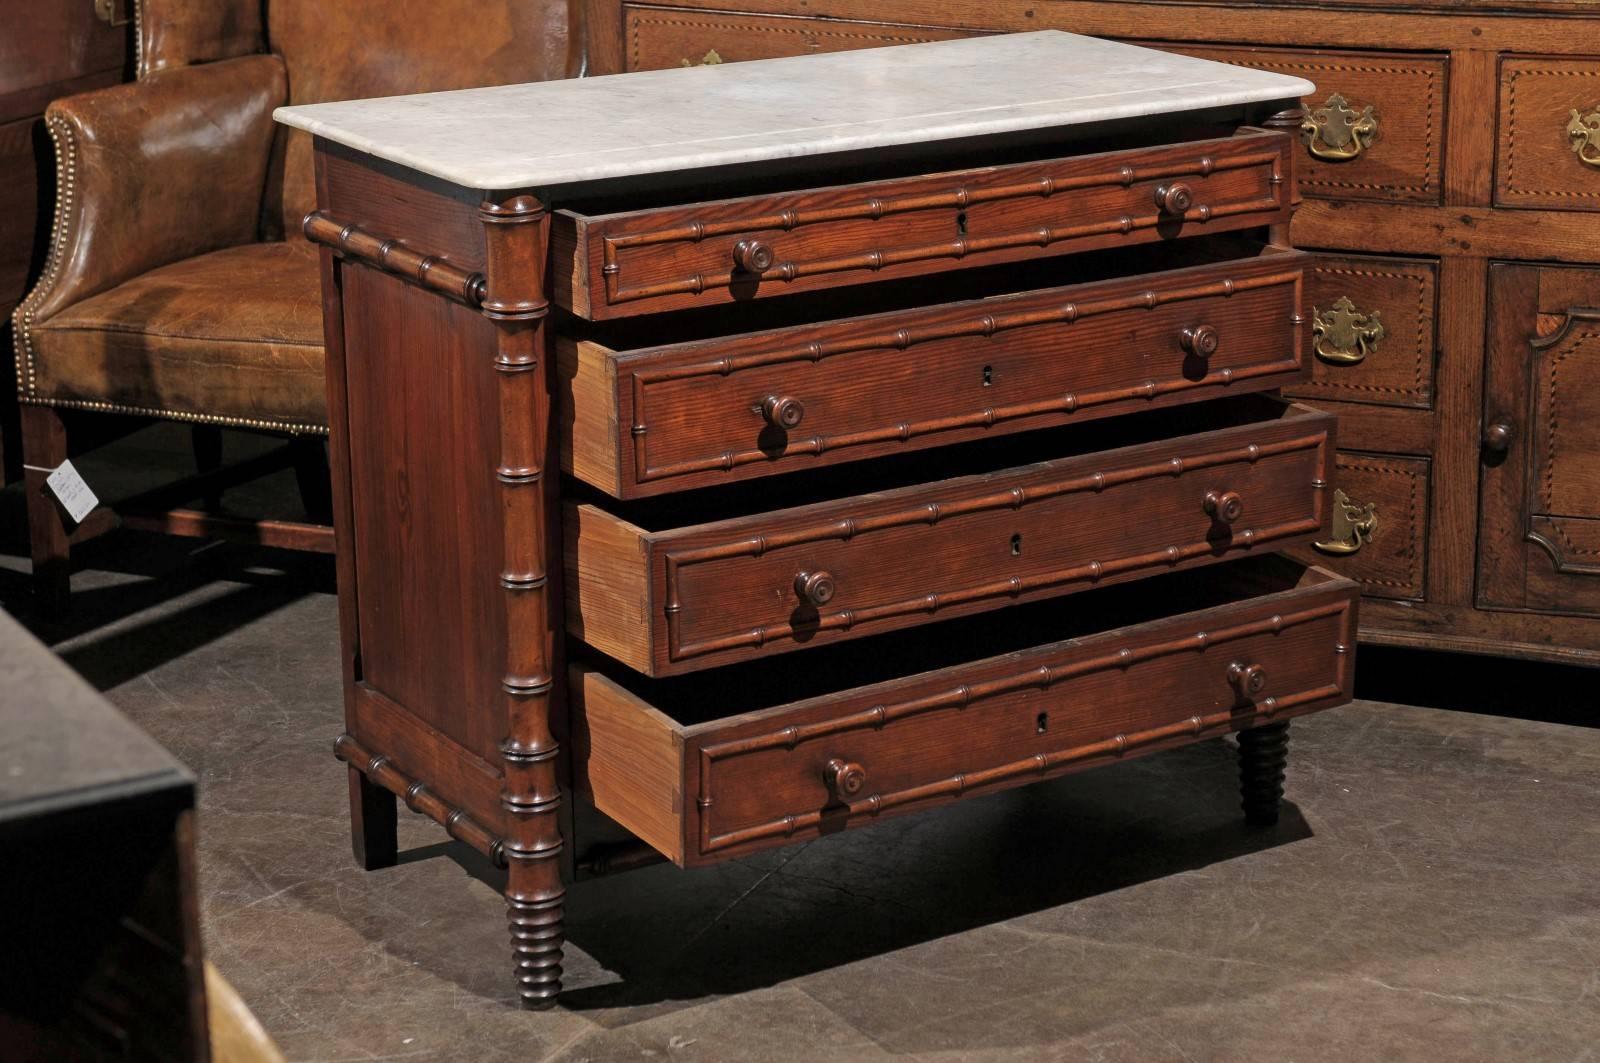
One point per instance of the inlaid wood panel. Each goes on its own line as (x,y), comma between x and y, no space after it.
(737,250)
(679,416)
(1370,330)
(666,600)
(1402,159)
(1381,539)
(666,37)
(1549,134)
(1541,509)
(751,777)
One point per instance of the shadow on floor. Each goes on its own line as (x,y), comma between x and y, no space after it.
(1496,686)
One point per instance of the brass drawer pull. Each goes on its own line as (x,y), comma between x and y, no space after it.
(753,256)
(815,588)
(1344,335)
(1585,133)
(1353,526)
(844,778)
(783,411)
(1224,506)
(1175,199)
(1248,679)
(1336,132)
(1200,341)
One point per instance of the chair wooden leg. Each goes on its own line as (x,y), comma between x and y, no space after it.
(207,441)
(44,446)
(374,823)
(312,475)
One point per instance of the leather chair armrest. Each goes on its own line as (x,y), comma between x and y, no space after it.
(152,172)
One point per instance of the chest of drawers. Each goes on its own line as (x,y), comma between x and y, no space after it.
(718,475)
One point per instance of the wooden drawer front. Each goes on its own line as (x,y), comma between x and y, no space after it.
(682,599)
(688,415)
(667,258)
(1549,135)
(1370,330)
(664,37)
(709,791)
(1401,160)
(1380,525)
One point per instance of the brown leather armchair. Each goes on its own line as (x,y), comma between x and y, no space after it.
(178,285)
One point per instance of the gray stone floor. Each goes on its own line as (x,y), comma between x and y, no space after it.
(1433,892)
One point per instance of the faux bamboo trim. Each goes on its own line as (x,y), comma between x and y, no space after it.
(982,325)
(395,258)
(456,822)
(932,513)
(1041,677)
(959,198)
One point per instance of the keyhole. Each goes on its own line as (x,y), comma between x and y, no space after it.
(988,375)
(1016,545)
(1041,723)
(961,223)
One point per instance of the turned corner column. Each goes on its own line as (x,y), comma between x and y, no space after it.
(516,240)
(1291,122)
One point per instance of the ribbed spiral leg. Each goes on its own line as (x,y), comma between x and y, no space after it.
(1263,752)
(536,941)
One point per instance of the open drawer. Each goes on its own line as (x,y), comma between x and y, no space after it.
(670,416)
(678,584)
(711,766)
(610,265)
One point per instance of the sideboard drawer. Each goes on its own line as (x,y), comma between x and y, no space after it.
(1375,128)
(667,599)
(713,766)
(700,254)
(1369,330)
(686,415)
(659,37)
(1549,135)
(1379,536)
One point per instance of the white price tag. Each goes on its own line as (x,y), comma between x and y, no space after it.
(70,490)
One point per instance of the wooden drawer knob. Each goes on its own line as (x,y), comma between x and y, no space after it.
(753,256)
(1224,506)
(783,411)
(1248,679)
(1200,341)
(1175,199)
(815,588)
(1497,437)
(844,778)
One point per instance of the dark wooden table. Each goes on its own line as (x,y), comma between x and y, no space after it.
(99,913)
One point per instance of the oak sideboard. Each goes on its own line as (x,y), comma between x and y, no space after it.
(1450,161)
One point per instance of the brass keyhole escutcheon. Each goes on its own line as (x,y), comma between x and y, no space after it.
(1353,526)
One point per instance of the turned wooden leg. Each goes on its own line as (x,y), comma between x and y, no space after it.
(207,442)
(312,475)
(44,446)
(1263,751)
(374,824)
(535,906)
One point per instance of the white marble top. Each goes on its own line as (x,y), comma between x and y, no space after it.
(589,129)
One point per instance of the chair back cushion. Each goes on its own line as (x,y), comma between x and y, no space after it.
(351,49)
